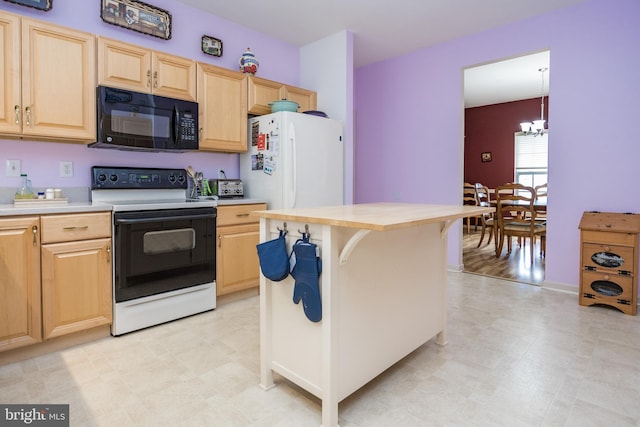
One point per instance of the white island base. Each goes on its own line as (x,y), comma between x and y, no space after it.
(383,288)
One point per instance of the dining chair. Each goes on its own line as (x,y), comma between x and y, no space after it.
(469,199)
(487,220)
(517,216)
(541,195)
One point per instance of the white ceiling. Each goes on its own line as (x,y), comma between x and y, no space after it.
(387,28)
(507,80)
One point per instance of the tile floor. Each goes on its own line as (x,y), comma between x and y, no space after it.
(518,355)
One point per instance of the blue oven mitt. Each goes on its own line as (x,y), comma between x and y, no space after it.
(306,270)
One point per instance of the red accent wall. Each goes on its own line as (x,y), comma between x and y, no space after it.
(491,129)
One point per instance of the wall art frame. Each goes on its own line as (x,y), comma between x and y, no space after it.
(36,4)
(486,156)
(137,16)
(211,46)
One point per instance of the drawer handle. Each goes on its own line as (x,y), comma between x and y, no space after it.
(82,227)
(219,240)
(17,112)
(243,215)
(109,254)
(34,229)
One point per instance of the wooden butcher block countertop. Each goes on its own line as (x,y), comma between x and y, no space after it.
(375,216)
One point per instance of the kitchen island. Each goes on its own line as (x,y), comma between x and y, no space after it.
(383,294)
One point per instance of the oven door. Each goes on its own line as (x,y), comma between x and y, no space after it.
(164,250)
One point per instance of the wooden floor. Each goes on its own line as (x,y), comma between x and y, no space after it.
(515,266)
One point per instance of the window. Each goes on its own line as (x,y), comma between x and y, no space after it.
(531,163)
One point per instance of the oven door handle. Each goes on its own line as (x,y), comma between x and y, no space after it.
(163,218)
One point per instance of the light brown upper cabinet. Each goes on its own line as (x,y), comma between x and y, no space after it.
(262,92)
(222,105)
(47,81)
(127,66)
(307,99)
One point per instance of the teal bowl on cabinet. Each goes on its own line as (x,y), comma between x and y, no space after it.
(284,105)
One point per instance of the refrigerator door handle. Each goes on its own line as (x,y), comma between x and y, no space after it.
(293,190)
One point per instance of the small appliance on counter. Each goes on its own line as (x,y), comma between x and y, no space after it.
(226,188)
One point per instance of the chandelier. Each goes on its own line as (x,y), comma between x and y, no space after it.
(536,127)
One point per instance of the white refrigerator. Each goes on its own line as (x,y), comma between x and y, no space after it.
(294,160)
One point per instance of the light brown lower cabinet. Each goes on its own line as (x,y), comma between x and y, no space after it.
(76,286)
(20,308)
(76,272)
(55,276)
(237,266)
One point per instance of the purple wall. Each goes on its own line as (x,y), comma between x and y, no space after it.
(278,61)
(410,113)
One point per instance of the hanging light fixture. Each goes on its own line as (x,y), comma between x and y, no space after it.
(536,127)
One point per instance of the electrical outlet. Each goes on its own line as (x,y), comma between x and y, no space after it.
(66,169)
(13,168)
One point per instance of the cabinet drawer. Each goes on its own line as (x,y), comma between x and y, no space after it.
(609,289)
(604,257)
(66,228)
(238,214)
(608,237)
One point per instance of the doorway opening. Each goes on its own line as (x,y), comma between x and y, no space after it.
(498,97)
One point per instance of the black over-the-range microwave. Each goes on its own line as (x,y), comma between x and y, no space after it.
(130,120)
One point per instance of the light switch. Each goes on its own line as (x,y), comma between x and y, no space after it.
(66,169)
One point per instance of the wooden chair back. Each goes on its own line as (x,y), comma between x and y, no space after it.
(483,197)
(541,191)
(516,215)
(469,194)
(469,198)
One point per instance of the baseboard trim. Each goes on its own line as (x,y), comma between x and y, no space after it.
(560,287)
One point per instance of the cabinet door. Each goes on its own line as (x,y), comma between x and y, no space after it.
(307,99)
(262,92)
(10,106)
(19,282)
(222,98)
(124,65)
(173,76)
(76,286)
(237,265)
(58,82)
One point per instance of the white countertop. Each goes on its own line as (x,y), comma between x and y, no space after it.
(76,207)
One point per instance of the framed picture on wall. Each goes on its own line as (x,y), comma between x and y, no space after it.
(486,156)
(211,46)
(36,4)
(137,16)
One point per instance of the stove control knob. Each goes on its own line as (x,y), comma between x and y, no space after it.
(181,178)
(172,178)
(102,177)
(113,177)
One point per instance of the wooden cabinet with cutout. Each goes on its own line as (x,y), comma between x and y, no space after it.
(609,260)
